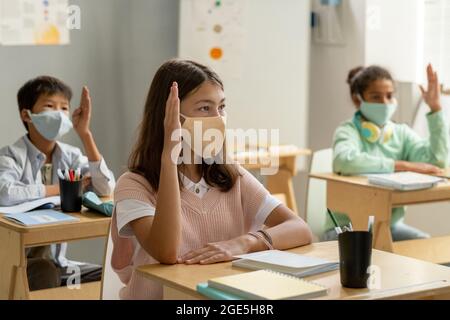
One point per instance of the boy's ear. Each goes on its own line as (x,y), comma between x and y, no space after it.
(25,116)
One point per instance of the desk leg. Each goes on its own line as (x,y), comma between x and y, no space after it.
(13,270)
(282,183)
(359,203)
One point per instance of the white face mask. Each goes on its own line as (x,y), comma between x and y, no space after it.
(52,125)
(206,135)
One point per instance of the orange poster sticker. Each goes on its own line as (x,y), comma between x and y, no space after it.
(47,35)
(216,53)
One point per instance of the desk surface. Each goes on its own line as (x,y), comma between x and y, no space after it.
(439,193)
(362,181)
(401,277)
(259,158)
(90,225)
(85,217)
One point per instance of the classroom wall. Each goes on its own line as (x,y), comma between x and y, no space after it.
(330,103)
(117,50)
(146,36)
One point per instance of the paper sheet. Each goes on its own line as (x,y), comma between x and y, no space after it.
(27,206)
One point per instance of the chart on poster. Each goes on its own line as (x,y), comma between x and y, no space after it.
(218,32)
(34,22)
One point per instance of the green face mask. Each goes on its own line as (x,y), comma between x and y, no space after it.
(378,113)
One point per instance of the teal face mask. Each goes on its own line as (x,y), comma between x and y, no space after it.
(378,113)
(51,124)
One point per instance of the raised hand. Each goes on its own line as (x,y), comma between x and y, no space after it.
(81,117)
(433,95)
(172,125)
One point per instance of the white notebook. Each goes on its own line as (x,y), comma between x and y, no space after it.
(49,202)
(405,181)
(285,262)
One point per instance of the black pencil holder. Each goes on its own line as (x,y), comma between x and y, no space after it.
(71,193)
(355,256)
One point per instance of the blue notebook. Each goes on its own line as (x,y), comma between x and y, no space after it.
(216,294)
(39,217)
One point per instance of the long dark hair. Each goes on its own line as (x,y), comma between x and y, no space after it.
(145,158)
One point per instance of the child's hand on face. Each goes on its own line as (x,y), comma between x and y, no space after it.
(432,97)
(81,117)
(172,124)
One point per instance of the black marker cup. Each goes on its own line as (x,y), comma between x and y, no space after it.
(71,193)
(355,255)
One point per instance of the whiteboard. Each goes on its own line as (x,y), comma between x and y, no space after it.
(264,59)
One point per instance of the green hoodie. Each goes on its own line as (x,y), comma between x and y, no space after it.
(354,155)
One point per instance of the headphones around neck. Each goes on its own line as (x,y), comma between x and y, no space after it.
(371,132)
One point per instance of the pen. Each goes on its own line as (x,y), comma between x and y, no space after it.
(60,174)
(78,174)
(66,175)
(337,227)
(371,222)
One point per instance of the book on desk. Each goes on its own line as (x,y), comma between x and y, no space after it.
(405,181)
(296,265)
(39,217)
(44,203)
(262,285)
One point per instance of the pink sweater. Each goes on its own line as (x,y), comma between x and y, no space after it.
(218,216)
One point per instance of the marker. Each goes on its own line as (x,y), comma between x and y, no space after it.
(60,174)
(370,224)
(66,175)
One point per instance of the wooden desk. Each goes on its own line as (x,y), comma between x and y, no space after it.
(359,200)
(281,182)
(15,238)
(401,277)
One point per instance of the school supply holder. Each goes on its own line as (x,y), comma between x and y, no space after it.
(71,191)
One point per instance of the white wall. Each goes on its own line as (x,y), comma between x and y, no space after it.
(330,102)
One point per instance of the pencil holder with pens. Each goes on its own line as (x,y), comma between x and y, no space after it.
(71,190)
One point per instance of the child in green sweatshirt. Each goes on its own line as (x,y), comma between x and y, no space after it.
(372,143)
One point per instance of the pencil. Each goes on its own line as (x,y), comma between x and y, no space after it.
(337,227)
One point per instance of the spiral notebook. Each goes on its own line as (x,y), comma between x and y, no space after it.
(268,285)
(405,181)
(285,262)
